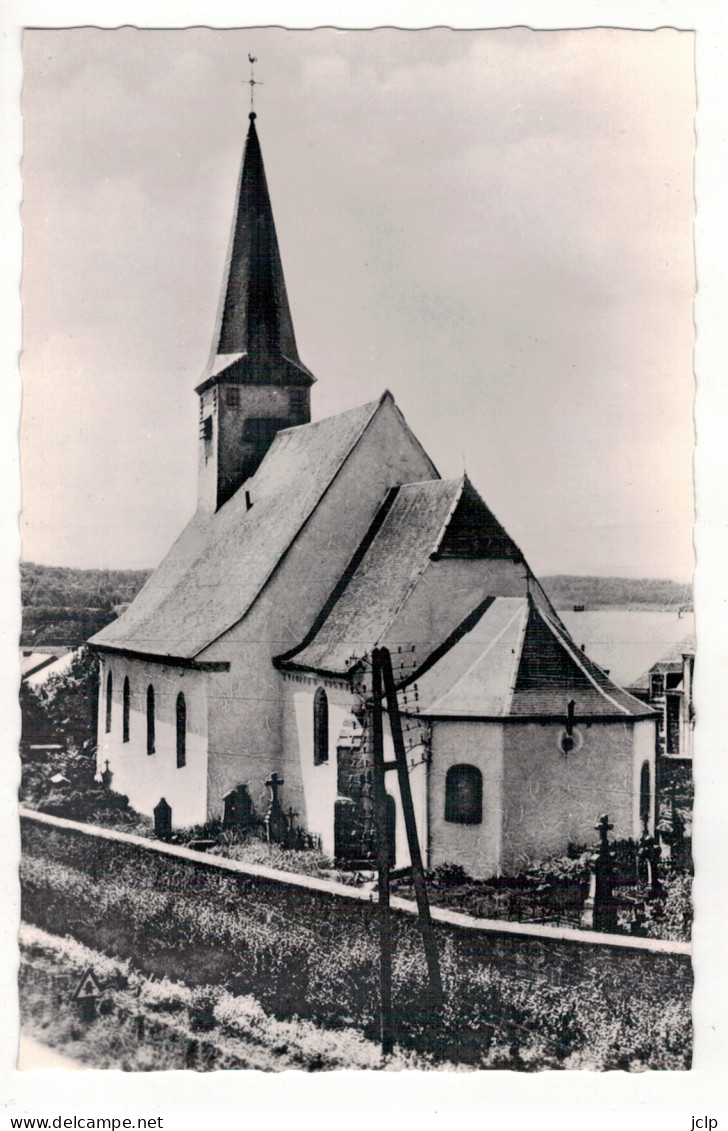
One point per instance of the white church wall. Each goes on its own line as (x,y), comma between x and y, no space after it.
(319,782)
(477,847)
(245,724)
(246,734)
(416,760)
(552,798)
(143,777)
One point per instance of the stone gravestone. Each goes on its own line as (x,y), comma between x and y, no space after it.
(238,809)
(276,826)
(163,820)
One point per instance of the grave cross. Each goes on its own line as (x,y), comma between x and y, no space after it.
(275,819)
(604,828)
(274,783)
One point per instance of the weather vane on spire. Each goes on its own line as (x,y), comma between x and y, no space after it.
(252,83)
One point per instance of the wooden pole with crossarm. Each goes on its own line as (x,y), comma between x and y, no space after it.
(380,816)
(408,811)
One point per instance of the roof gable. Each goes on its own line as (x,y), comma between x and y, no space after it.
(473,531)
(221,562)
(400,570)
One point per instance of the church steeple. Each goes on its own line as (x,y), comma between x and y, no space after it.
(255,383)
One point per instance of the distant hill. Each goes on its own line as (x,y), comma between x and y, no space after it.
(65,606)
(567,590)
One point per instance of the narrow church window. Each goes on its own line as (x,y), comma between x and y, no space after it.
(232,397)
(207,435)
(181,731)
(645,793)
(109,693)
(320,727)
(464,795)
(125,712)
(150,719)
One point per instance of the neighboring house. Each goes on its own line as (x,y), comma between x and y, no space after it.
(668,688)
(34,662)
(312,543)
(57,665)
(626,642)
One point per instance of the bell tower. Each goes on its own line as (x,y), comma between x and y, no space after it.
(255,383)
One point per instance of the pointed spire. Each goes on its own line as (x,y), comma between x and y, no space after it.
(254,325)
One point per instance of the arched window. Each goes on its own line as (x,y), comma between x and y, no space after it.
(150,719)
(320,727)
(181,731)
(109,694)
(125,711)
(464,795)
(645,793)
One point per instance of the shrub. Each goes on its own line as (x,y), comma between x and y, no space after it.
(449,875)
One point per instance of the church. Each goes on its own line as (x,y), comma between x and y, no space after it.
(314,542)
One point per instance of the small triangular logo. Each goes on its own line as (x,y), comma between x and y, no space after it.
(87,987)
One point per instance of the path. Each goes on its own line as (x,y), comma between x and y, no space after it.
(32,1054)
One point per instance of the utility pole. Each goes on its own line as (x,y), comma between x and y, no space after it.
(380,815)
(408,811)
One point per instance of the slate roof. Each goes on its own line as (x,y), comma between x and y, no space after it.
(476,676)
(254,338)
(389,563)
(220,562)
(415,526)
(516,661)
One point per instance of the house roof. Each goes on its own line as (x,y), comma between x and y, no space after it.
(58,665)
(517,661)
(33,661)
(418,524)
(671,661)
(627,642)
(220,562)
(254,338)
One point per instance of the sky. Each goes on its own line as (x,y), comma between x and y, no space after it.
(495,225)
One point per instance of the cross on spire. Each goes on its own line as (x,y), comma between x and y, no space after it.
(252,83)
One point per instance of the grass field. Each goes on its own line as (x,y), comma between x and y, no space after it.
(145,1025)
(511,1003)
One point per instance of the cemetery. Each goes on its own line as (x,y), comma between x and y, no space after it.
(650,877)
